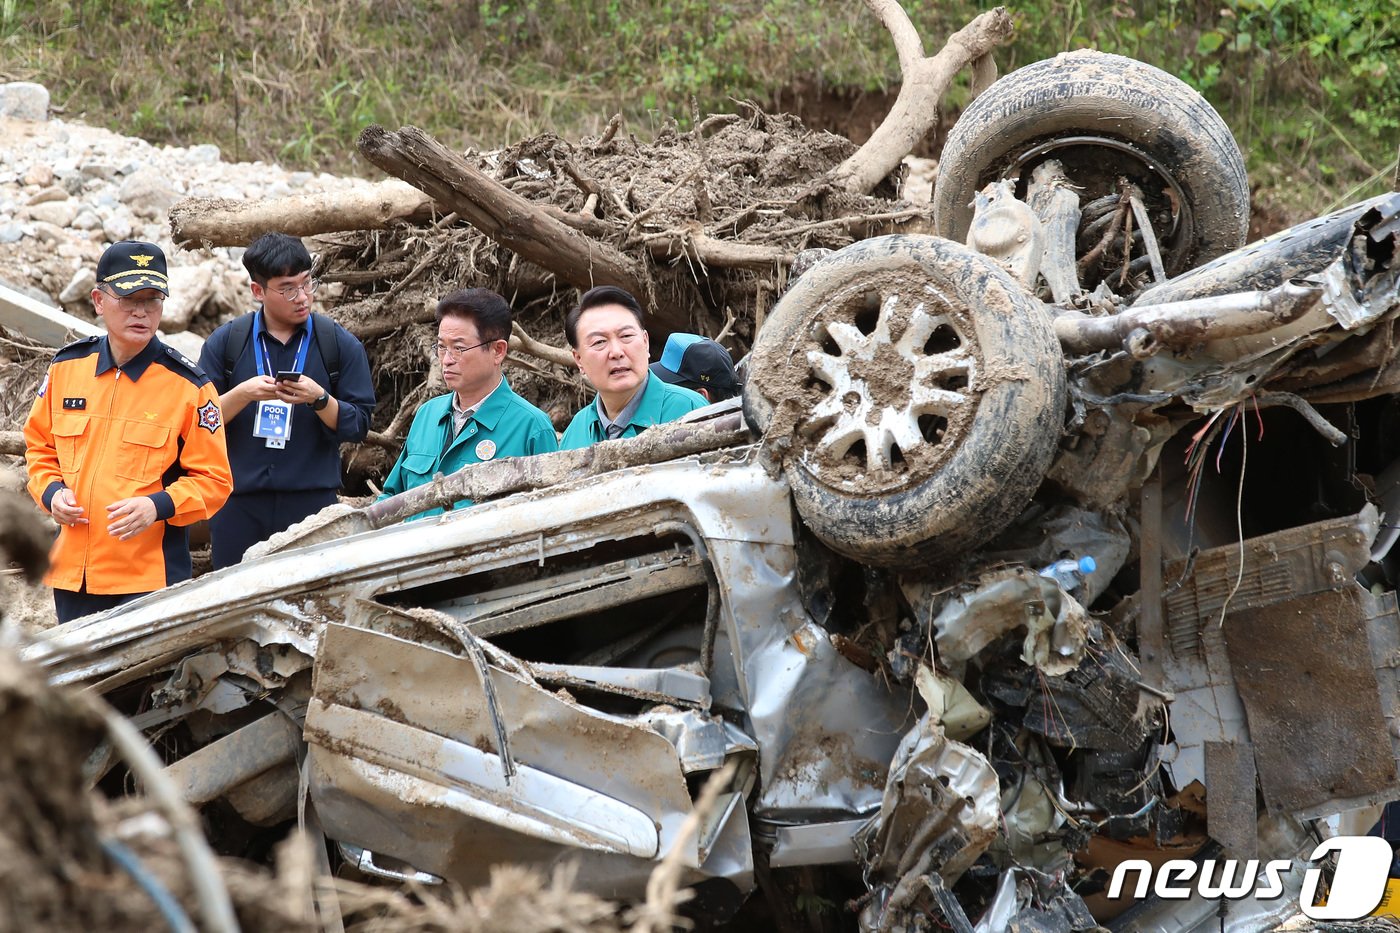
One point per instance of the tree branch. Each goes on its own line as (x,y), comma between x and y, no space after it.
(391,438)
(482,482)
(515,474)
(522,342)
(925,80)
(850,223)
(907,44)
(196,222)
(509,219)
(691,243)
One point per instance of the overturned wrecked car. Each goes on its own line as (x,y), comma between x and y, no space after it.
(832,600)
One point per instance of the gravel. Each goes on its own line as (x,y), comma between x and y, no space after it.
(67,191)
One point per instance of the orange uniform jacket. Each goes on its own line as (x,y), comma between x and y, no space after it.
(149,428)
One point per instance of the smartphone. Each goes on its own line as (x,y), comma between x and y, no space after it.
(288,376)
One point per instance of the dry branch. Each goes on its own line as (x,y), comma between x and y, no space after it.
(196,222)
(366,331)
(656,205)
(696,246)
(925,80)
(664,891)
(579,220)
(512,221)
(654,445)
(852,224)
(391,438)
(496,478)
(424,264)
(609,131)
(586,184)
(368,276)
(522,342)
(12,443)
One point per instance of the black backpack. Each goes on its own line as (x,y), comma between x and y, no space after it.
(241,331)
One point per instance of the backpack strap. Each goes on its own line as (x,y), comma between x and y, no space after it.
(239,333)
(329,347)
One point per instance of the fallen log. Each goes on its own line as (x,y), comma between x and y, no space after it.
(925,81)
(518,474)
(695,246)
(514,222)
(482,482)
(205,222)
(12,443)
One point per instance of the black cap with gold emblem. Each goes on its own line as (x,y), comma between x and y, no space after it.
(131,265)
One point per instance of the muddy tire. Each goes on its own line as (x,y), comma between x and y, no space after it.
(1104,117)
(916,394)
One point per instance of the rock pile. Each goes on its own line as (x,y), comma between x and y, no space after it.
(67,191)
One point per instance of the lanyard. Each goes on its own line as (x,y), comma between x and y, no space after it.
(260,348)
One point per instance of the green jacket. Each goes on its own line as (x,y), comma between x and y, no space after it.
(504,426)
(661,402)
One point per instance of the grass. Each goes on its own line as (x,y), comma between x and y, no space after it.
(1309,86)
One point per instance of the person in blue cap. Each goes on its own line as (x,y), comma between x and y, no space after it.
(607,333)
(699,364)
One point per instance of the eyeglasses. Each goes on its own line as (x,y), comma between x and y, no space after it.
(130,305)
(446,352)
(290,292)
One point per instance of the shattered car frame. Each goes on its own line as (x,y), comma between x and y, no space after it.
(653,598)
(845,607)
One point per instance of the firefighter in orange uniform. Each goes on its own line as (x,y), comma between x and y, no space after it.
(125,446)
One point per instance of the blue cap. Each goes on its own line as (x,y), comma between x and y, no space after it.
(697,362)
(1087,564)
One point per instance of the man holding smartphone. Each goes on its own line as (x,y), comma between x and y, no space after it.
(293,387)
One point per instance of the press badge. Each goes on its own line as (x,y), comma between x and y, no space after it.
(273,423)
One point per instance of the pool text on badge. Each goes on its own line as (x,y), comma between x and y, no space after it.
(273,423)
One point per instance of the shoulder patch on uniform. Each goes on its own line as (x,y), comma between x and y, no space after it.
(176,361)
(210,418)
(44,386)
(78,349)
(182,358)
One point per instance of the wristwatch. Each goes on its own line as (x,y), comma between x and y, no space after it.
(321,401)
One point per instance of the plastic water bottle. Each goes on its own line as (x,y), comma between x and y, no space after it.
(1070,573)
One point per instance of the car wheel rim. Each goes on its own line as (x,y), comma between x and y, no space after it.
(1096,164)
(890,372)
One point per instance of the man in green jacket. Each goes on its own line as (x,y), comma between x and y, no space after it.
(481,418)
(610,344)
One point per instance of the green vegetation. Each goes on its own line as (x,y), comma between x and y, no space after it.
(1310,87)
